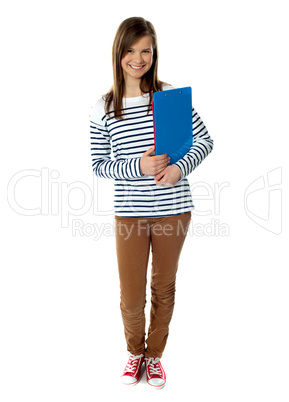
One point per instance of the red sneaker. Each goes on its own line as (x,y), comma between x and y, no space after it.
(156,376)
(132,371)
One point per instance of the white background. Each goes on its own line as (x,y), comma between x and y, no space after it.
(61,330)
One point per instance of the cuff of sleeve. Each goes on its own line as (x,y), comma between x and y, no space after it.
(183,173)
(138,169)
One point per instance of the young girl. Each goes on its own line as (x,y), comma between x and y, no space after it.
(152,199)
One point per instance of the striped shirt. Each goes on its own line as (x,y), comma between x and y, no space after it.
(135,194)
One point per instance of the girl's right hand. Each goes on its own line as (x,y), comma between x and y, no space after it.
(152,165)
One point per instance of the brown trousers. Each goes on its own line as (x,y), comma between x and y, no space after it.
(134,236)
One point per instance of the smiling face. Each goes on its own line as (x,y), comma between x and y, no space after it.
(138,59)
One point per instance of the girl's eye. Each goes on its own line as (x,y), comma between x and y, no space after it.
(144,51)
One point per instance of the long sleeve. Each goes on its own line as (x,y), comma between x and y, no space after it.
(202,146)
(102,164)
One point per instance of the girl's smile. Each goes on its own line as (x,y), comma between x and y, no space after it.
(138,59)
(136,68)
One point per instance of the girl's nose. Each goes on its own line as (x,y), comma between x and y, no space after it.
(138,58)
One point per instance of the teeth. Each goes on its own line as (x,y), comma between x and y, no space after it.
(136,68)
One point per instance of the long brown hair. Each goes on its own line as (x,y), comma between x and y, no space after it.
(128,33)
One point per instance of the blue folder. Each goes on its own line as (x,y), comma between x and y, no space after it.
(173,129)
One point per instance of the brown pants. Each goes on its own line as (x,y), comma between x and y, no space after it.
(134,236)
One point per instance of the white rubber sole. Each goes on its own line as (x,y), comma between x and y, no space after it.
(130,384)
(156,386)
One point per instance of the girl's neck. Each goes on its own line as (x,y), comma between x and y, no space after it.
(132,88)
(132,91)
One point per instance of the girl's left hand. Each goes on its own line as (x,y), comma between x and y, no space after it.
(169,176)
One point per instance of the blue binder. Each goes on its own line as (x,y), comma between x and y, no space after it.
(173,128)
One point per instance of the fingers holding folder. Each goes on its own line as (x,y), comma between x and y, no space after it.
(169,176)
(153,165)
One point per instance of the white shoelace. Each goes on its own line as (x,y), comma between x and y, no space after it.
(131,365)
(153,366)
